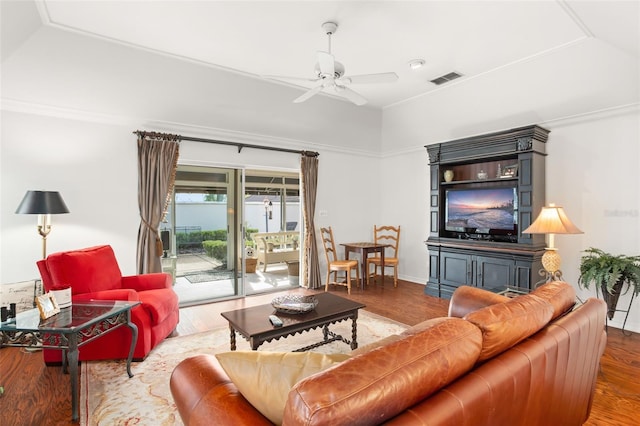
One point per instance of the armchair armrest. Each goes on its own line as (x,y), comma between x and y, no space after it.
(147,281)
(467,299)
(124,294)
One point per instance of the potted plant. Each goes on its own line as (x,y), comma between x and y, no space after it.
(610,273)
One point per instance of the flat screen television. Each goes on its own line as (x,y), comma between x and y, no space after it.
(490,211)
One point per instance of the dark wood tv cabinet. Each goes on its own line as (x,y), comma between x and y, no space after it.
(513,158)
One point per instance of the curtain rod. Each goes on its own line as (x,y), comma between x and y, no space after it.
(239,145)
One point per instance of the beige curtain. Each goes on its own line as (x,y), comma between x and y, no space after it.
(310,264)
(157,163)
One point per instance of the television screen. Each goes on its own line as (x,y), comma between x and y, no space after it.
(481,211)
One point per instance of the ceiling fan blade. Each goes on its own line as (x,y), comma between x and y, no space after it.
(309,93)
(385,77)
(354,97)
(326,62)
(284,77)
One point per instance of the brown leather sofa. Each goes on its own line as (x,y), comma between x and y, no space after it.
(529,360)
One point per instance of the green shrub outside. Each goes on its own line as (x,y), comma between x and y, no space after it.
(216,249)
(188,237)
(198,236)
(211,240)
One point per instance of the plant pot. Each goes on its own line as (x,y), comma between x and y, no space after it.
(250,264)
(611,299)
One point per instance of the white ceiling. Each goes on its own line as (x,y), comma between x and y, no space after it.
(258,38)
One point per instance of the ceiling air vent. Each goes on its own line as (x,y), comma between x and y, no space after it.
(446,78)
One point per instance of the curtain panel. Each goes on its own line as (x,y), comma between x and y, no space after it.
(157,164)
(310,263)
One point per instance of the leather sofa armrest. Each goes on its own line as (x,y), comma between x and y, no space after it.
(205,395)
(147,281)
(466,299)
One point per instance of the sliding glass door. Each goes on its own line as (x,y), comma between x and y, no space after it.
(209,233)
(201,228)
(272,223)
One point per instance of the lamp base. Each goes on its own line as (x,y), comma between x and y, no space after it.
(551,260)
(551,264)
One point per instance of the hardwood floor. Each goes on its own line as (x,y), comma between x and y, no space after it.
(40,395)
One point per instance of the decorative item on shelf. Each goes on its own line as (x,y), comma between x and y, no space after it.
(509,171)
(482,175)
(294,304)
(608,273)
(499,172)
(47,305)
(448,175)
(44,204)
(552,220)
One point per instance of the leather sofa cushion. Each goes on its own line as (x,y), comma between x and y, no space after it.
(159,303)
(467,299)
(377,385)
(265,378)
(560,294)
(505,324)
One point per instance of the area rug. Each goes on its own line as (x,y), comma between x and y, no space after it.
(109,397)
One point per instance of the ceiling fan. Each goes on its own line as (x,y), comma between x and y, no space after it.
(330,75)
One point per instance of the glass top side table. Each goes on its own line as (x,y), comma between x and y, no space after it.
(68,330)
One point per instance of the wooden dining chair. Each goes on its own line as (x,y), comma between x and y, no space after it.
(335,265)
(385,235)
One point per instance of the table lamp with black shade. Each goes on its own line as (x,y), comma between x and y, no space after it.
(552,220)
(44,204)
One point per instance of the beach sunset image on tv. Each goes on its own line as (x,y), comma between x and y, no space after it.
(480,209)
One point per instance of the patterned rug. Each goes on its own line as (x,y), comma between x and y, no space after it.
(109,397)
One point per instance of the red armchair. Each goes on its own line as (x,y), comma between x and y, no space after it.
(93,273)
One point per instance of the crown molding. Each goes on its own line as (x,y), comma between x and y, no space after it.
(260,139)
(143,123)
(600,114)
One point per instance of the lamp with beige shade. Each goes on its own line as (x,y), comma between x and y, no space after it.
(552,220)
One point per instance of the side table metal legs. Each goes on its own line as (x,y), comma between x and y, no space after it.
(72,360)
(134,339)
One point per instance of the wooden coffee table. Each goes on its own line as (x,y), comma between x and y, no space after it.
(253,323)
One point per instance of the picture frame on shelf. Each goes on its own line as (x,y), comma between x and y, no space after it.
(47,305)
(509,171)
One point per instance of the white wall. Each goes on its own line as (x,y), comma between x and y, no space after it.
(94,166)
(592,171)
(404,201)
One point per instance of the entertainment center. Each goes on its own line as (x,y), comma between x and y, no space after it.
(484,191)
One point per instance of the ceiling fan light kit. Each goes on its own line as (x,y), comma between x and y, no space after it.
(330,75)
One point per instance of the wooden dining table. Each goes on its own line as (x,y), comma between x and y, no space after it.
(364,248)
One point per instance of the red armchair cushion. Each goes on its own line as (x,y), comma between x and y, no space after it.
(87,270)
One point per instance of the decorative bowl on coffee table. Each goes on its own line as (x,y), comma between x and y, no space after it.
(294,304)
